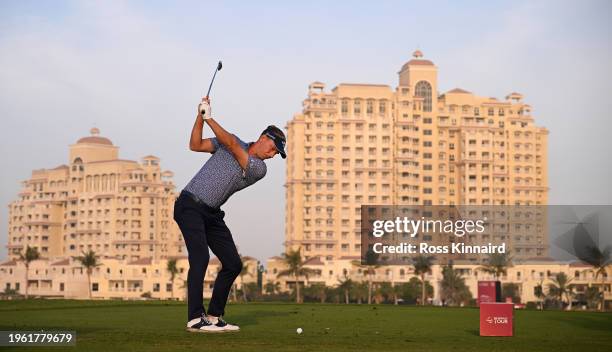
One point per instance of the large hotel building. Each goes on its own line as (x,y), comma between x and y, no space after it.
(122,208)
(371,144)
(411,145)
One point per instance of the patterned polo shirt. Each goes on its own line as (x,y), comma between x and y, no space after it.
(221,175)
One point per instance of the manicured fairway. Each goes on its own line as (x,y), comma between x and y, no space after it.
(159,326)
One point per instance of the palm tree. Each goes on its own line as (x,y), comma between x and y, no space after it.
(345,284)
(422,266)
(600,261)
(30,255)
(559,287)
(570,294)
(296,269)
(592,297)
(89,260)
(369,269)
(497,264)
(512,290)
(540,295)
(453,287)
(172,269)
(582,243)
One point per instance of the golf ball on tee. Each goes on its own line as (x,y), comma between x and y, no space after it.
(299,330)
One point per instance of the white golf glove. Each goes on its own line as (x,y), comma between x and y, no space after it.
(205,110)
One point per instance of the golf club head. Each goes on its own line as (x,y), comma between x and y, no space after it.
(219,66)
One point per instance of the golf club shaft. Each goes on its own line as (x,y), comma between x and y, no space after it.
(211,82)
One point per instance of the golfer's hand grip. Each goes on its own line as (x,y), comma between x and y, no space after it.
(205,110)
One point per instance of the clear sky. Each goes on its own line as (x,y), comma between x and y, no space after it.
(136,70)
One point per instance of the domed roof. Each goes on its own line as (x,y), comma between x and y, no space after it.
(418,61)
(95,138)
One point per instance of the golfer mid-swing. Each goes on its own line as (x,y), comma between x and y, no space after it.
(233,166)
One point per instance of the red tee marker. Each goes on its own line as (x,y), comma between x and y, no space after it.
(496,319)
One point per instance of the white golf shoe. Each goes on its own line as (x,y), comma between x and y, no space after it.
(222,324)
(203,325)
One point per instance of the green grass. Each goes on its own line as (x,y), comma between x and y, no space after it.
(159,326)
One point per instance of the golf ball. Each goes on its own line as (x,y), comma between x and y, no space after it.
(299,330)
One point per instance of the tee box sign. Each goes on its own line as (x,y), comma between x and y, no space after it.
(489,291)
(496,319)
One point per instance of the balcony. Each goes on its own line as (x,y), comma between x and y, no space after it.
(318,106)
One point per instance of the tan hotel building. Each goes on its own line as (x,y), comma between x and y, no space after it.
(372,144)
(411,145)
(116,207)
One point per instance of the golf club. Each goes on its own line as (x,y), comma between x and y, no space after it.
(219,67)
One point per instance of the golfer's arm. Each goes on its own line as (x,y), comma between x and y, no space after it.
(230,142)
(196,143)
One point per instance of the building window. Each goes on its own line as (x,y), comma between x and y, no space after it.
(423,90)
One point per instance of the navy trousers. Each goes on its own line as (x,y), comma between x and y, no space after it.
(203,227)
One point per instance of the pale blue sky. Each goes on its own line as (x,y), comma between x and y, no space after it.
(136,71)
